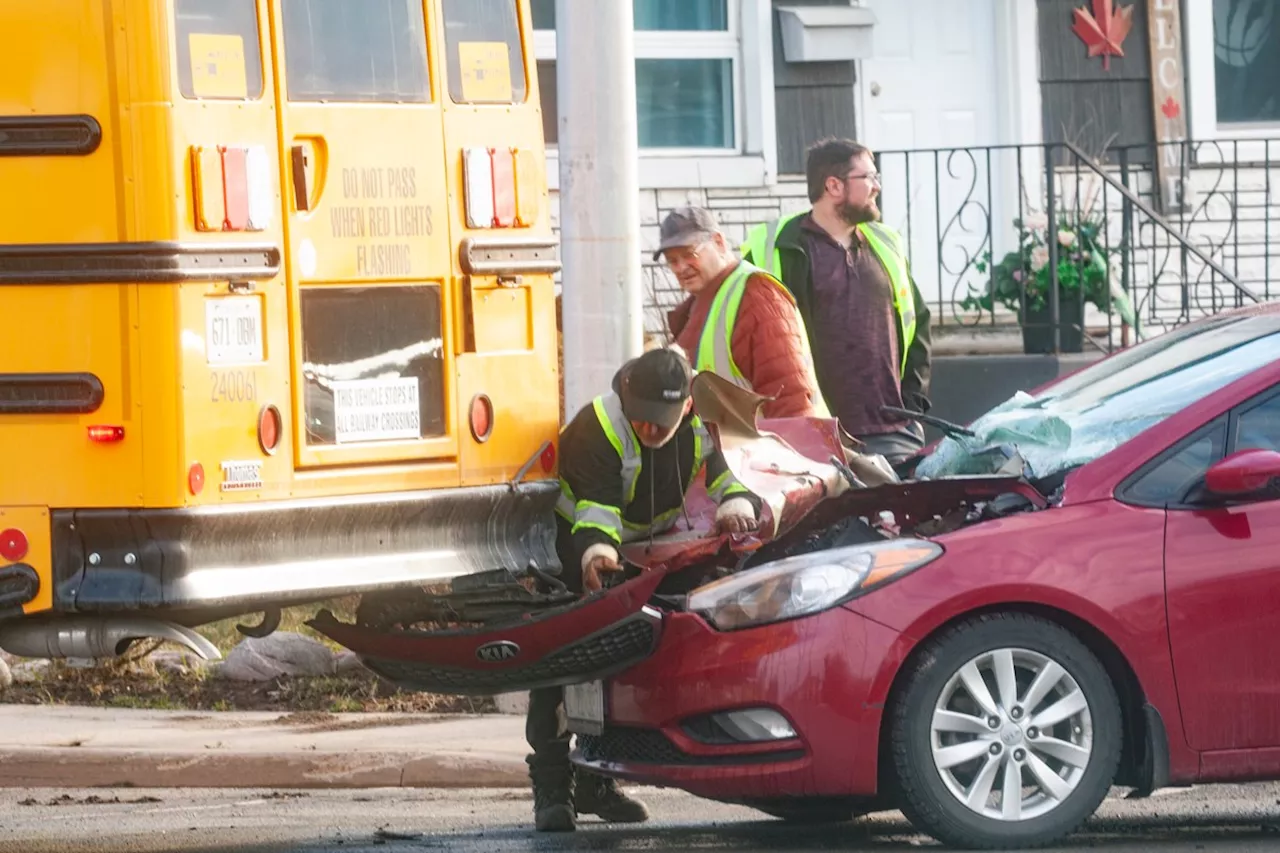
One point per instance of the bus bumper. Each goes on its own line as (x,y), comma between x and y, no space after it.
(245,558)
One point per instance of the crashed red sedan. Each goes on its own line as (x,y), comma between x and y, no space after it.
(1079,590)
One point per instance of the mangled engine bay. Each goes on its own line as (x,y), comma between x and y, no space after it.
(514,630)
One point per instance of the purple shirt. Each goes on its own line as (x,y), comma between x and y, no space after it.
(854,332)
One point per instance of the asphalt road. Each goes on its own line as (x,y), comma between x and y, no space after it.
(1217,820)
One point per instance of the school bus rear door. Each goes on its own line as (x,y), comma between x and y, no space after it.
(368,248)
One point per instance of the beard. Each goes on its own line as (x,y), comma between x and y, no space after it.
(856,214)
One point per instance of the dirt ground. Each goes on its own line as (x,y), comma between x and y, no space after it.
(135,681)
(350,692)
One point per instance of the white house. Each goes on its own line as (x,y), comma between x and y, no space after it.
(958,96)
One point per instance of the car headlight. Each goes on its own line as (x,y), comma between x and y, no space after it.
(808,583)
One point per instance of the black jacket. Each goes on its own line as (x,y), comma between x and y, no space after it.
(592,469)
(796,276)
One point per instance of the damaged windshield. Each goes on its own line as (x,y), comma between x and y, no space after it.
(1101,407)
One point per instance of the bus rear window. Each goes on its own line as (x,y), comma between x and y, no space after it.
(218,52)
(486,57)
(373,362)
(356,50)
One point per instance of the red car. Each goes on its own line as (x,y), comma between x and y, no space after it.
(1081,590)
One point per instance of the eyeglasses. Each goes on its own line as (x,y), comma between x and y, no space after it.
(874,177)
(684,254)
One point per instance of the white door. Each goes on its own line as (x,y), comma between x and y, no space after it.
(929,96)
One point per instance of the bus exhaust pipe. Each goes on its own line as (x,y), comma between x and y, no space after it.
(96,637)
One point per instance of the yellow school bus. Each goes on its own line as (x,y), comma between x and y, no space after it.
(276,283)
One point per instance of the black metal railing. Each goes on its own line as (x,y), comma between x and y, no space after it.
(1073,248)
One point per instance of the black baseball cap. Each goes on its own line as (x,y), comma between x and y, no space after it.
(686,226)
(655,386)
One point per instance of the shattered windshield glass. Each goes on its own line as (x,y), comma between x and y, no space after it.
(1096,410)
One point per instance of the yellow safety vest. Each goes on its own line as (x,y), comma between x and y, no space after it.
(885,243)
(608,409)
(715,350)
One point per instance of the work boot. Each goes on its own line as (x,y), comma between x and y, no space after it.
(600,796)
(552,800)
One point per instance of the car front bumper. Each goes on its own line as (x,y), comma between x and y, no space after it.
(820,672)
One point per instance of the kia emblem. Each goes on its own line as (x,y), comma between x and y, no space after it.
(498,651)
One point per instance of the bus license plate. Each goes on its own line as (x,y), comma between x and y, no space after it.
(584,707)
(233,330)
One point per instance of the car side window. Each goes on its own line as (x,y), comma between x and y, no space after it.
(1171,479)
(1259,428)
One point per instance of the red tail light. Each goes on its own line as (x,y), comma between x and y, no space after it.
(269,424)
(548,459)
(504,187)
(481,418)
(106,434)
(492,195)
(233,188)
(13,545)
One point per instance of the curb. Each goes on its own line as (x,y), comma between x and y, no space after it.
(61,767)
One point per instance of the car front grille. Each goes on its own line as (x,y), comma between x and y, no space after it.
(598,656)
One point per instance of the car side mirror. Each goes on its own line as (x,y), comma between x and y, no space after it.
(1247,472)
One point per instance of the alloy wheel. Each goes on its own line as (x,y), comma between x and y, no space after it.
(1012,734)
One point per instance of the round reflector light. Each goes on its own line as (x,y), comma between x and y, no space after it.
(269,428)
(195,478)
(481,417)
(13,545)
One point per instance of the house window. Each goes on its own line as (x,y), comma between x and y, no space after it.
(1246,42)
(688,53)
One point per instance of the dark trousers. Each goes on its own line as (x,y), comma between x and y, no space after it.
(546,729)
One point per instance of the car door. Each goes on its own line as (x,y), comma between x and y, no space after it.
(1222,571)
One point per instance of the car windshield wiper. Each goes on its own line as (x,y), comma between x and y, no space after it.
(946,426)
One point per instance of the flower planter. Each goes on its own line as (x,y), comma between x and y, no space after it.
(1037,328)
(1082,275)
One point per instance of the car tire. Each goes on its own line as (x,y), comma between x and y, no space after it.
(937,722)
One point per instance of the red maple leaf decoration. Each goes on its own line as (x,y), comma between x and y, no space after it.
(1105,30)
(1171,108)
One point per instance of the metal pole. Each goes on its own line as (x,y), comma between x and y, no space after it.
(603,316)
(1055,309)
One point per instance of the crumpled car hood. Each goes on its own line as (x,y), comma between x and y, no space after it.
(786,462)
(799,468)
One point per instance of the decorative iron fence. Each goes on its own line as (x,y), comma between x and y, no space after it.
(1071,246)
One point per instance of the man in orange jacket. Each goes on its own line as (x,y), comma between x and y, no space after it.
(735,302)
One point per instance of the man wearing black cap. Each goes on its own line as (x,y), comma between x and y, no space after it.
(627,460)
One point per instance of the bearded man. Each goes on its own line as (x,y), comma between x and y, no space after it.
(867,322)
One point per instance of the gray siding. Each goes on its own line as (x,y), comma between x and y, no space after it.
(1085,104)
(812,99)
